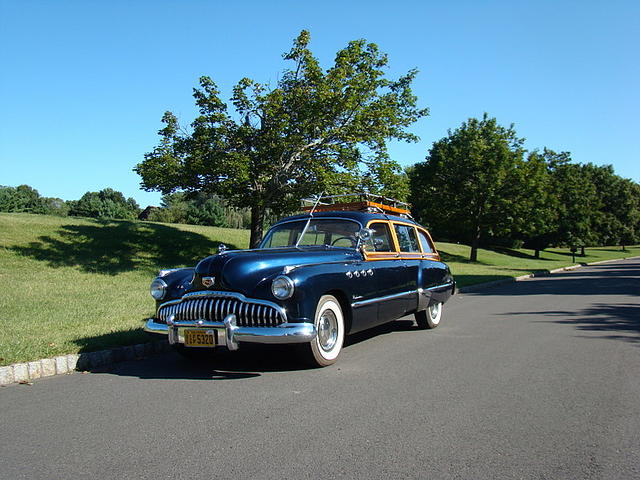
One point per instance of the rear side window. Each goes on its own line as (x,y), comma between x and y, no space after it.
(424,242)
(407,238)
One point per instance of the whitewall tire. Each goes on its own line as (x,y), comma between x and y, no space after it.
(429,318)
(329,323)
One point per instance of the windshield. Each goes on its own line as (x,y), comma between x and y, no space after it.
(337,233)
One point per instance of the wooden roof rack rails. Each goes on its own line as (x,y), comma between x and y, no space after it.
(365,202)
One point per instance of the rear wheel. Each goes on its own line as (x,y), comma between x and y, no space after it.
(329,322)
(429,318)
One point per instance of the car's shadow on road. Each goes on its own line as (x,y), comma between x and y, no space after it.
(250,361)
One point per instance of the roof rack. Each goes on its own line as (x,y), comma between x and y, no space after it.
(367,202)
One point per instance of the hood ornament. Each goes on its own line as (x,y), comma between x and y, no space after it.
(222,248)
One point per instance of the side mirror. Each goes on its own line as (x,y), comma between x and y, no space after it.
(364,235)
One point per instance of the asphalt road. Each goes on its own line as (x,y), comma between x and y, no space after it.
(539,379)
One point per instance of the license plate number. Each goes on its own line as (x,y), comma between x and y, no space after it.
(200,338)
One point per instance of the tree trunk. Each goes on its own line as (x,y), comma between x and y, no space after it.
(582,251)
(257,225)
(475,243)
(537,254)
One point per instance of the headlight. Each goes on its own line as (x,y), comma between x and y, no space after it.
(158,289)
(282,287)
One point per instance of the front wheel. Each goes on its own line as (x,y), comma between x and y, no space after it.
(429,318)
(329,322)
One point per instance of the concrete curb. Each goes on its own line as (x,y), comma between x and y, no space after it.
(66,364)
(496,283)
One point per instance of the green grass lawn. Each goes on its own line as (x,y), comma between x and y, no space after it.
(72,285)
(69,285)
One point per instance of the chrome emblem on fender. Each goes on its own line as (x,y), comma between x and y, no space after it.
(208,281)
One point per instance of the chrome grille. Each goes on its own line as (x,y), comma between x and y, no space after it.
(215,309)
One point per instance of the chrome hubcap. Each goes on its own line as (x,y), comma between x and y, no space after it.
(434,311)
(327,330)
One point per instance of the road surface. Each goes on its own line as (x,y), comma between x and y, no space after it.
(532,380)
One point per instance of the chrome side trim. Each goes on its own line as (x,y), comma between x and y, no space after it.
(444,285)
(362,303)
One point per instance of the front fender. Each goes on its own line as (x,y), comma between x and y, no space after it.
(312,283)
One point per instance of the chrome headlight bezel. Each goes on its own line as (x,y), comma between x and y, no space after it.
(158,289)
(282,287)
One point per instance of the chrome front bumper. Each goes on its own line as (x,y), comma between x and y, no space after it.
(232,333)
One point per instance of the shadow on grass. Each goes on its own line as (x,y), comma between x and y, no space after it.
(111,340)
(114,246)
(518,254)
(449,257)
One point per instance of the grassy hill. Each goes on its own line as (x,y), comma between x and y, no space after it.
(70,285)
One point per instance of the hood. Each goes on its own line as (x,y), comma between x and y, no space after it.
(243,270)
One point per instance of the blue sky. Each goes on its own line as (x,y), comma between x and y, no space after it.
(83,84)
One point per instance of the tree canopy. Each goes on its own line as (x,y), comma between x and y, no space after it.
(468,185)
(26,199)
(316,131)
(476,186)
(106,203)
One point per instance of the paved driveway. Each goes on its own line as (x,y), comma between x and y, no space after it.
(538,379)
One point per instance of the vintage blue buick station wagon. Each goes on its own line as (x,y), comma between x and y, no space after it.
(337,269)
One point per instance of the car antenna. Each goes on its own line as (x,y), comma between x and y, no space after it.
(304,230)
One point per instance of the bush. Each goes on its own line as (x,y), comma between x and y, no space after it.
(106,203)
(25,199)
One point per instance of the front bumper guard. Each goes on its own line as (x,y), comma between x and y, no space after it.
(233,334)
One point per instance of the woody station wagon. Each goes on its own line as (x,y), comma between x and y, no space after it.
(337,269)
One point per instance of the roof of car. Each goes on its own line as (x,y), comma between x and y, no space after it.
(360,217)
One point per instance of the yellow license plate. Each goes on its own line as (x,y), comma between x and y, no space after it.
(200,338)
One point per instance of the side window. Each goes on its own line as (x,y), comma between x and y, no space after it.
(424,242)
(407,238)
(381,237)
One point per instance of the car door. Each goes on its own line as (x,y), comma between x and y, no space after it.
(411,255)
(381,290)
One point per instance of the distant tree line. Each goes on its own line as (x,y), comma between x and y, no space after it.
(106,203)
(480,187)
(200,209)
(195,209)
(25,199)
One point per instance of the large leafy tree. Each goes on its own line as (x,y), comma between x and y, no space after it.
(467,188)
(616,212)
(538,220)
(316,130)
(578,204)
